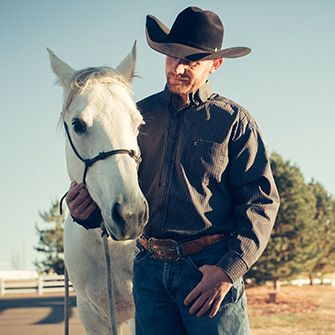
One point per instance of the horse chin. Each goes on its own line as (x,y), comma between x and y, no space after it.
(118,234)
(112,235)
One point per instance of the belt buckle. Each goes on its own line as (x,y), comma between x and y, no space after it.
(167,250)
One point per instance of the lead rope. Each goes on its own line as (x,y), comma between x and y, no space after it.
(109,278)
(110,281)
(66,302)
(66,283)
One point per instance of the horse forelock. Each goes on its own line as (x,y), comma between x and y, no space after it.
(93,76)
(98,75)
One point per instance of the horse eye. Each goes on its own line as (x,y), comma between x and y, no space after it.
(79,126)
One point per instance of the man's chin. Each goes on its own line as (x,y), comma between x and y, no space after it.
(178,89)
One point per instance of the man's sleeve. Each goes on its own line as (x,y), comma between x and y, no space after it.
(255,198)
(93,221)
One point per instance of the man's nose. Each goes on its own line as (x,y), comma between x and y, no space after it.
(180,68)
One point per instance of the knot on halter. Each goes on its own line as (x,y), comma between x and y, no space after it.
(99,157)
(102,155)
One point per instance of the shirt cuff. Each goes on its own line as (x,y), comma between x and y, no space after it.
(93,221)
(233,265)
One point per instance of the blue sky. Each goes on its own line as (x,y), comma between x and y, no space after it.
(287,83)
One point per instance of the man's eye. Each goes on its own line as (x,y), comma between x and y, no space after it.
(79,125)
(193,65)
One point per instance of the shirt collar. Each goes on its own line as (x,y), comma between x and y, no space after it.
(196,98)
(202,94)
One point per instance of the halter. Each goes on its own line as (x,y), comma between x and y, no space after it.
(90,161)
(100,156)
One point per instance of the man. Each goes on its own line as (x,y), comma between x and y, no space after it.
(211,194)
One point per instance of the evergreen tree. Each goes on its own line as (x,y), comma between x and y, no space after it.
(50,241)
(292,248)
(325,219)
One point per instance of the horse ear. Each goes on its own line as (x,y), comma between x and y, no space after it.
(63,71)
(127,66)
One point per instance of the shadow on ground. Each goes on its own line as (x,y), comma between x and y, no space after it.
(55,304)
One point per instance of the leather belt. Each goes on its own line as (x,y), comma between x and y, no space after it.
(171,251)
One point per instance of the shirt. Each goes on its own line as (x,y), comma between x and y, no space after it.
(205,170)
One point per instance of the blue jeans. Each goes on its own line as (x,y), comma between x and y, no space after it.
(161,287)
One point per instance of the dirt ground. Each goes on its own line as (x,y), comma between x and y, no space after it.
(298,311)
(306,310)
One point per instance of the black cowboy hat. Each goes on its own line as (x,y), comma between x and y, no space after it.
(196,34)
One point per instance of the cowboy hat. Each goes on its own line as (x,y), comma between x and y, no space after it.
(196,34)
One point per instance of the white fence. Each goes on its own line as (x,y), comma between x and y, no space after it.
(41,285)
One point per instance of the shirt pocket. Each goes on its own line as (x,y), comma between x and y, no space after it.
(206,159)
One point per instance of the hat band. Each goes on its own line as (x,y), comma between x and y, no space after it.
(197,46)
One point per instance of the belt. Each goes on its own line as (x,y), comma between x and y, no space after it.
(171,251)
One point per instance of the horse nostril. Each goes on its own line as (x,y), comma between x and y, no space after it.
(117,213)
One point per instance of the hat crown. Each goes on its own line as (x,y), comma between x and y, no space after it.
(196,34)
(198,28)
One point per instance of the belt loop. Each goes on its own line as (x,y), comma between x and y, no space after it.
(140,246)
(180,251)
(150,240)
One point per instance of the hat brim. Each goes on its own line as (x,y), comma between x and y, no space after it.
(157,34)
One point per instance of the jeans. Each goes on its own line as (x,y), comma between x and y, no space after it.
(161,287)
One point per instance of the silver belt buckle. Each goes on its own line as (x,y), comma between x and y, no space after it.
(168,250)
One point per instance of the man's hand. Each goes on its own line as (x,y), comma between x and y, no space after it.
(79,201)
(210,291)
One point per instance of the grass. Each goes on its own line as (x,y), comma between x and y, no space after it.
(307,310)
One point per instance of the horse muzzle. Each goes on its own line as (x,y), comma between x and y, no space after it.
(127,220)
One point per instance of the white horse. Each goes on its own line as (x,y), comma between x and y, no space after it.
(101,116)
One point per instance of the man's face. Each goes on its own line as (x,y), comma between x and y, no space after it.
(184,77)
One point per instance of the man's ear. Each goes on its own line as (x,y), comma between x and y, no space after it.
(216,64)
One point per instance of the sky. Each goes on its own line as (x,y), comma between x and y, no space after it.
(287,83)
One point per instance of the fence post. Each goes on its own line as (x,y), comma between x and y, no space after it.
(40,285)
(2,286)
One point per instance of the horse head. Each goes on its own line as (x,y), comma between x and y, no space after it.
(102,124)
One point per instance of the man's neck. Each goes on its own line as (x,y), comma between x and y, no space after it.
(184,99)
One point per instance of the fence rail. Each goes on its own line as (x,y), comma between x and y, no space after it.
(41,285)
